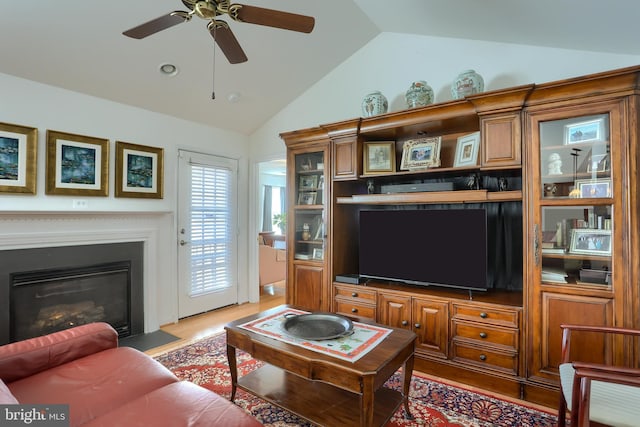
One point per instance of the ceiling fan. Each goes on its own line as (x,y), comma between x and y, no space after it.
(220,31)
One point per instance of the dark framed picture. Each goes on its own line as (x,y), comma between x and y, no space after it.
(139,171)
(308,182)
(421,153)
(591,188)
(77,165)
(588,241)
(307,198)
(467,150)
(379,157)
(588,131)
(18,154)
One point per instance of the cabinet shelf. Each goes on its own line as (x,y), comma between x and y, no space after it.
(462,196)
(577,257)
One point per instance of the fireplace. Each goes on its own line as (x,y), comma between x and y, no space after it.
(43,290)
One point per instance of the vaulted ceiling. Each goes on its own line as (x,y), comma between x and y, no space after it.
(79,46)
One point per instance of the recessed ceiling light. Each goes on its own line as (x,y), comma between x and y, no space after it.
(168,69)
(233,97)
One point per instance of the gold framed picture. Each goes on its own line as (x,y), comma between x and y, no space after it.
(18,157)
(421,153)
(379,157)
(139,171)
(77,165)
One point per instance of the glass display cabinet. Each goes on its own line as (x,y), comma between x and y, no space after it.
(576,190)
(309,206)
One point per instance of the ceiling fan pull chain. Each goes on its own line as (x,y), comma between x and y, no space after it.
(213,83)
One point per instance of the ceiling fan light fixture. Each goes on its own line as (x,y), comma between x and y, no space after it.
(168,69)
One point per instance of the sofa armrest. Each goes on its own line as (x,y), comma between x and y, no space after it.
(25,358)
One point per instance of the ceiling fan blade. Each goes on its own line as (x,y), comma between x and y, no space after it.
(275,18)
(156,25)
(227,42)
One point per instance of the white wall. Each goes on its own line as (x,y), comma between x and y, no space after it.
(45,107)
(390,62)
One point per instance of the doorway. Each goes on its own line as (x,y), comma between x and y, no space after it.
(207,232)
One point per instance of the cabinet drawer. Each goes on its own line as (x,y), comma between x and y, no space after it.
(353,309)
(486,358)
(493,315)
(486,334)
(360,293)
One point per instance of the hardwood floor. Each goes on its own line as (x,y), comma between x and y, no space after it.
(202,325)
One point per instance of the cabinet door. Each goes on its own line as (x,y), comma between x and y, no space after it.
(431,323)
(307,293)
(394,310)
(501,140)
(570,309)
(307,216)
(345,159)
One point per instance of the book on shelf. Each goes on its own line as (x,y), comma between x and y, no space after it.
(553,250)
(302,256)
(554,275)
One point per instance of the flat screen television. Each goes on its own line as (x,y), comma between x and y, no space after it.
(445,247)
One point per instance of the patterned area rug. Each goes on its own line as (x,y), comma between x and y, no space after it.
(432,403)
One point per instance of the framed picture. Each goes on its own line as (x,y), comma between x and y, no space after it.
(318,253)
(590,188)
(307,198)
(421,153)
(467,150)
(77,165)
(589,131)
(18,149)
(379,157)
(139,171)
(590,241)
(308,182)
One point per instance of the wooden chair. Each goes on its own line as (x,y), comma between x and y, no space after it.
(596,392)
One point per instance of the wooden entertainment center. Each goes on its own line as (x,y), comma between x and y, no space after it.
(567,153)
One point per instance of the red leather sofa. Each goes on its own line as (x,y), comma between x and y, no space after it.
(107,385)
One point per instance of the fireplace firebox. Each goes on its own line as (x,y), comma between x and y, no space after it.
(44,290)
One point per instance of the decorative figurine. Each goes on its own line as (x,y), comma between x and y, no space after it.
(554,167)
(370,188)
(473,182)
(503,184)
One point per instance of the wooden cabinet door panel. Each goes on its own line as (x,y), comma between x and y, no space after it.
(308,289)
(431,324)
(394,310)
(345,159)
(501,136)
(558,309)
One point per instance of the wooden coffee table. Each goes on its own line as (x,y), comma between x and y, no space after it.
(320,388)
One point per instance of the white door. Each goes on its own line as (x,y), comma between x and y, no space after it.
(207,233)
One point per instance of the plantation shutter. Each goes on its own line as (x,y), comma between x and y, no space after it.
(212,234)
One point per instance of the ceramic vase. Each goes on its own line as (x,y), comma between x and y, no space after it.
(306,234)
(419,94)
(374,103)
(467,83)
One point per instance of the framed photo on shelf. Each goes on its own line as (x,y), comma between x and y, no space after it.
(77,165)
(589,241)
(307,198)
(308,182)
(139,171)
(421,153)
(379,157)
(593,188)
(467,150)
(18,153)
(318,253)
(589,131)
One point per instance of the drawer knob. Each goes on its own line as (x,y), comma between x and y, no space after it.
(354,310)
(354,294)
(405,323)
(483,357)
(483,315)
(483,334)
(417,326)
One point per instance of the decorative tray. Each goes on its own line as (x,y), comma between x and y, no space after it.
(317,326)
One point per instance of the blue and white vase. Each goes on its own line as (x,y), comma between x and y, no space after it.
(467,83)
(374,103)
(419,94)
